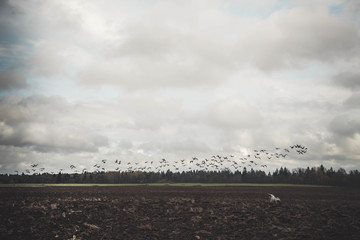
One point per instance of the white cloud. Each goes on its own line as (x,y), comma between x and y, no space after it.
(158,54)
(197,44)
(233,114)
(291,37)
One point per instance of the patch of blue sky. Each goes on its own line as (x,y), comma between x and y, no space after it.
(15,45)
(262,11)
(14,92)
(311,71)
(67,88)
(8,36)
(6,62)
(336,9)
(13,52)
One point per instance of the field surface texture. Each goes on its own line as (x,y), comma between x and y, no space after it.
(179,212)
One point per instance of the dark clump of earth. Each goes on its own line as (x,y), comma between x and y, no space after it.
(173,212)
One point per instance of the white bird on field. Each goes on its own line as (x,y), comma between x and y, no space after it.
(273,198)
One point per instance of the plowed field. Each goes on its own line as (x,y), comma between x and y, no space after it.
(169,212)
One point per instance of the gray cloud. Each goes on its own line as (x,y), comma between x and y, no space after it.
(51,138)
(37,122)
(35,108)
(183,147)
(353,102)
(346,125)
(8,12)
(10,80)
(346,136)
(349,80)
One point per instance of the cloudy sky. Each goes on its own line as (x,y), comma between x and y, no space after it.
(82,81)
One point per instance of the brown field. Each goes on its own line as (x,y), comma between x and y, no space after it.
(175,212)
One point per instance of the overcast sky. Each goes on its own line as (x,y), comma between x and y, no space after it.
(82,81)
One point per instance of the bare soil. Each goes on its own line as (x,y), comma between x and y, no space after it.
(169,212)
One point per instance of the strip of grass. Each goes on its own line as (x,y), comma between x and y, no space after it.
(157,185)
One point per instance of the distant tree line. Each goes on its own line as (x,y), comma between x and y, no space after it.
(314,176)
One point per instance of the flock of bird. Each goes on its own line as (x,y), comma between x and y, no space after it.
(252,159)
